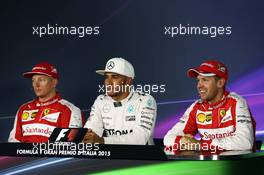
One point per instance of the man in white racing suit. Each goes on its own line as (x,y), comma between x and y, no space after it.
(222,118)
(121,116)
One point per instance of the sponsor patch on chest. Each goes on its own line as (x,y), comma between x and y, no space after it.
(29,115)
(53,117)
(204,117)
(130,118)
(225,116)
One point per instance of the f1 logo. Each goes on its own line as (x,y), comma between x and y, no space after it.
(62,134)
(68,135)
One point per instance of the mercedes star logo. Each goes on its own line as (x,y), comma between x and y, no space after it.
(110,65)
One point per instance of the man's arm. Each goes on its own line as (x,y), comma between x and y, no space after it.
(243,136)
(92,137)
(184,129)
(16,133)
(95,122)
(72,116)
(143,129)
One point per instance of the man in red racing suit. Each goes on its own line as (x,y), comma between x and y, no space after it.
(222,118)
(35,120)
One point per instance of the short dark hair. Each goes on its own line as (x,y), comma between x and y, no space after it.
(217,78)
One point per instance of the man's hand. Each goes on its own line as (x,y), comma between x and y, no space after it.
(189,143)
(92,137)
